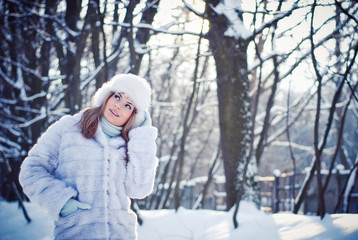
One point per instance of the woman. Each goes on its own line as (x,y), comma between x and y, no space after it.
(85,168)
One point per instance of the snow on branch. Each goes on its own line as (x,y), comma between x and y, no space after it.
(297,146)
(29,123)
(61,23)
(139,47)
(8,101)
(293,145)
(57,38)
(8,80)
(231,10)
(156,30)
(187,5)
(257,62)
(28,70)
(19,85)
(26,98)
(10,143)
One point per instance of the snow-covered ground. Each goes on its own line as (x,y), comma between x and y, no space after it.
(195,225)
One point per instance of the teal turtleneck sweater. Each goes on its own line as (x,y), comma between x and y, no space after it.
(109,129)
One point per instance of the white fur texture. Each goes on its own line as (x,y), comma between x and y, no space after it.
(135,88)
(63,164)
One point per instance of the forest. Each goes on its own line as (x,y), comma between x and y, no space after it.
(240,88)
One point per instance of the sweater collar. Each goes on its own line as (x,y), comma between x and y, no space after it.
(109,129)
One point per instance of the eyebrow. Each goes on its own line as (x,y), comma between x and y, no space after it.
(127,101)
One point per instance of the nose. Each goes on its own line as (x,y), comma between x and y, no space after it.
(118,106)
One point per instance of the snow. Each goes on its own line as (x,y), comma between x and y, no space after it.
(14,225)
(236,28)
(196,224)
(140,48)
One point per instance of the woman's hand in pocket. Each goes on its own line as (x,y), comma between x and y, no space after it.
(72,206)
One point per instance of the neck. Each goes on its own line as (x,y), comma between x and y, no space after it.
(109,129)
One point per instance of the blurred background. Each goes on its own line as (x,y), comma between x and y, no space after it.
(253,100)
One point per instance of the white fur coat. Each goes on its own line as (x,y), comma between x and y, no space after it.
(63,164)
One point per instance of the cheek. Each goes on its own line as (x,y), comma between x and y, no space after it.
(108,103)
(128,114)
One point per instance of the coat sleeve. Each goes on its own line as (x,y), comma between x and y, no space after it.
(142,162)
(38,171)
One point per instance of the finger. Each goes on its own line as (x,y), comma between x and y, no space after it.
(83,205)
(69,210)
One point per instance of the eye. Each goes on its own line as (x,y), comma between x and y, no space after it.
(129,106)
(117,96)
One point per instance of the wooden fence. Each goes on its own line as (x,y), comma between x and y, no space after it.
(277,193)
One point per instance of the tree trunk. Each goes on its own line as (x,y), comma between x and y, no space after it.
(96,43)
(73,97)
(234,102)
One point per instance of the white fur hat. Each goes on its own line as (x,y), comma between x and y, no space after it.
(135,88)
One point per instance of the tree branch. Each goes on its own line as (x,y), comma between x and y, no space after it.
(273,21)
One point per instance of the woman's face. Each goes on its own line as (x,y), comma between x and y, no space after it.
(118,109)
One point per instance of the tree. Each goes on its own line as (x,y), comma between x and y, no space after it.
(46,63)
(23,52)
(320,145)
(55,54)
(230,54)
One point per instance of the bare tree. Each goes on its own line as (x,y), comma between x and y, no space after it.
(234,104)
(320,145)
(46,63)
(54,54)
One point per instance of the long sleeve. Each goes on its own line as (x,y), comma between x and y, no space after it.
(37,175)
(142,162)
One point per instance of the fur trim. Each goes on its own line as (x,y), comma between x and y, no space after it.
(103,180)
(135,88)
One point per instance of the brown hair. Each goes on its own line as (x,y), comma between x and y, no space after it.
(92,116)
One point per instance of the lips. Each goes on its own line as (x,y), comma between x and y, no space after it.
(114,113)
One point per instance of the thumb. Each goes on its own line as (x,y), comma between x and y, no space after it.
(82,205)
(147,120)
